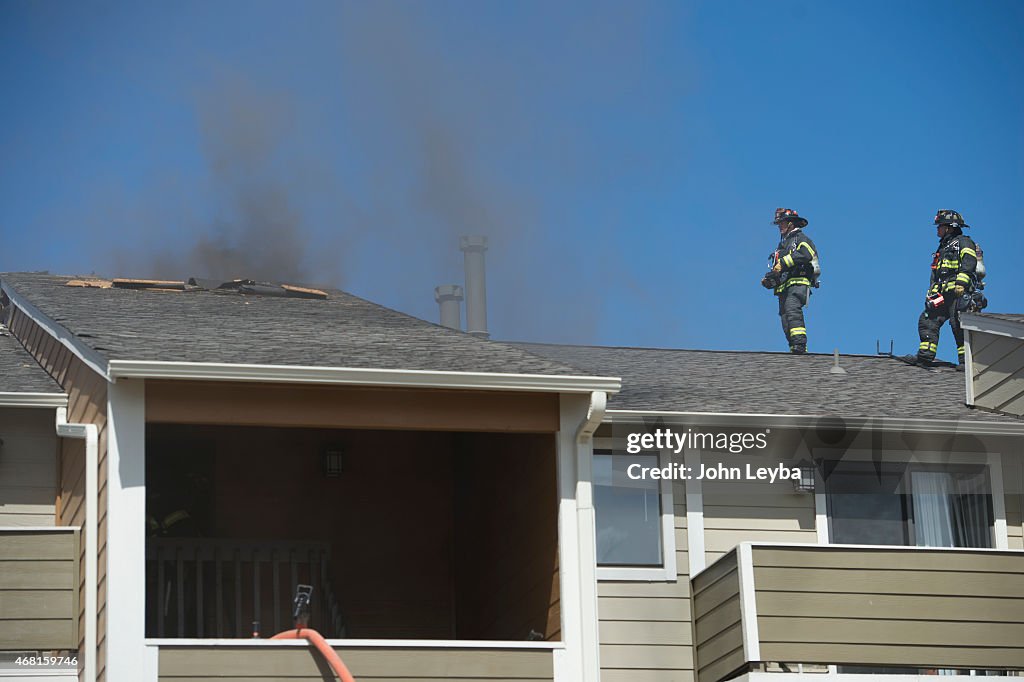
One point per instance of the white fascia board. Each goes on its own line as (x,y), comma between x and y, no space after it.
(409,378)
(892,548)
(39,529)
(33,399)
(798,421)
(93,358)
(992,325)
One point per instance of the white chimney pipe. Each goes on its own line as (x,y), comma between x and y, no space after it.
(474,246)
(449,297)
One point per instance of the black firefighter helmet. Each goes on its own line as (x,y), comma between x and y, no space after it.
(788,215)
(945,216)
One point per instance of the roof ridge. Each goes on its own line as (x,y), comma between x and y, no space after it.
(691,350)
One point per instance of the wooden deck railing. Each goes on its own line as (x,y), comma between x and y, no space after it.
(908,607)
(218,588)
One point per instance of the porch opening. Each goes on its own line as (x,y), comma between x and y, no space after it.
(403,534)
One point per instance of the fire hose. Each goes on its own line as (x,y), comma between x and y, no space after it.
(301,616)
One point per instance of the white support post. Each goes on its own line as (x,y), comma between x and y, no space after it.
(999,527)
(577,545)
(695,545)
(127,660)
(821,517)
(968,367)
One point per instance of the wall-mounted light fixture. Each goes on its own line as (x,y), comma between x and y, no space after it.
(333,462)
(805,484)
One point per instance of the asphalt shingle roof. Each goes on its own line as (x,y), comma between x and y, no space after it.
(772,383)
(19,372)
(206,326)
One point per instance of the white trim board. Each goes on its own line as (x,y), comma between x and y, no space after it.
(140,369)
(695,543)
(992,325)
(852,677)
(38,529)
(748,604)
(13,399)
(821,517)
(891,548)
(355,643)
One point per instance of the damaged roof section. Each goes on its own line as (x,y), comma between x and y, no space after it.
(204,325)
(236,286)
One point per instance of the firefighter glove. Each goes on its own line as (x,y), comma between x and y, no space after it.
(958,290)
(777,267)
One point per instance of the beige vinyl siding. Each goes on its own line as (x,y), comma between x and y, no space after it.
(28,467)
(718,620)
(644,627)
(920,608)
(87,403)
(38,599)
(409,664)
(998,376)
(737,511)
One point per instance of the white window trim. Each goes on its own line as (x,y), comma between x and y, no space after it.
(992,462)
(667,571)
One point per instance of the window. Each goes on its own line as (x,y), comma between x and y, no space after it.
(893,503)
(634,517)
(914,504)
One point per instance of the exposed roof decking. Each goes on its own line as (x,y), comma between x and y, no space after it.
(207,327)
(734,382)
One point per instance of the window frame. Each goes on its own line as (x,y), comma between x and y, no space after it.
(991,462)
(666,572)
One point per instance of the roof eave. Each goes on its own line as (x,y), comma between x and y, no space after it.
(992,325)
(798,421)
(397,378)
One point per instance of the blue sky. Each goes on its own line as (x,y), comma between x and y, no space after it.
(625,159)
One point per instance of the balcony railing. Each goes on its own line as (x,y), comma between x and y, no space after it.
(39,579)
(212,587)
(847,605)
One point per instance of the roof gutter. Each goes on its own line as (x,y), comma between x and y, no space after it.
(211,371)
(980,428)
(33,399)
(90,434)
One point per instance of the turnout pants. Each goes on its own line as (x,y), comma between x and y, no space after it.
(928,326)
(791,312)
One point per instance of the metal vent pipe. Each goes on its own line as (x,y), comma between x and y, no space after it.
(473,248)
(449,298)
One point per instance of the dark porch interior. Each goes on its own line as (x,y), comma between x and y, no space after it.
(422,535)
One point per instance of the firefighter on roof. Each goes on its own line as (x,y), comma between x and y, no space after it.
(954,286)
(794,270)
